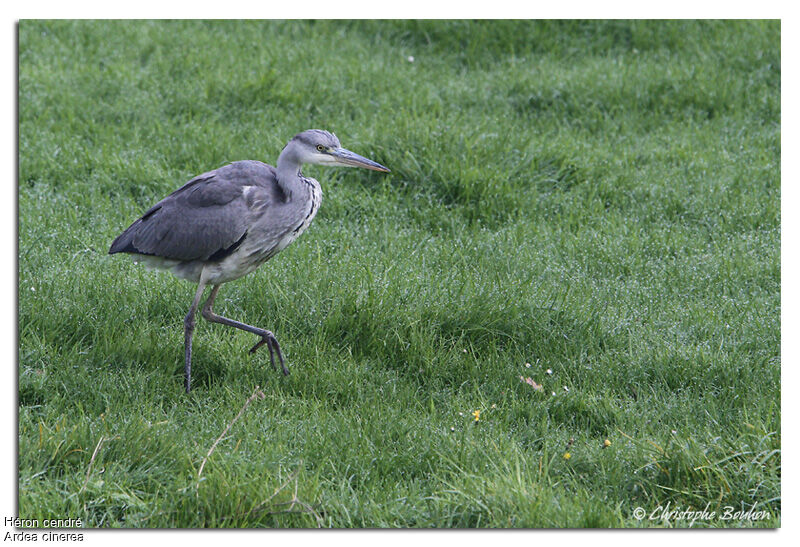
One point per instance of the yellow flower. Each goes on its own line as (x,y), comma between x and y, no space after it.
(477,415)
(567,455)
(606,443)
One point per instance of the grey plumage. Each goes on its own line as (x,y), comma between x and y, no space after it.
(212,216)
(223,224)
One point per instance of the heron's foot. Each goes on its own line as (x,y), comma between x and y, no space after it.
(272,345)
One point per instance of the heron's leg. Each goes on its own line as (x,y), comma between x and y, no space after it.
(266,336)
(188,331)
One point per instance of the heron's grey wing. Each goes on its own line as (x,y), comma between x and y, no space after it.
(207,218)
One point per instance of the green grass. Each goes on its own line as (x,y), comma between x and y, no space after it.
(597,199)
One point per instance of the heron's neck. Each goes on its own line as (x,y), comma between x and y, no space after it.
(288,173)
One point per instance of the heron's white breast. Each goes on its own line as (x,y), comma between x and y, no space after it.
(311,212)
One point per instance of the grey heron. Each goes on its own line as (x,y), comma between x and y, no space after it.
(224,224)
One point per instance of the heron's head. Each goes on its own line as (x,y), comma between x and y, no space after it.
(323,148)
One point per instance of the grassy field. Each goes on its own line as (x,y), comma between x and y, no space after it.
(591,205)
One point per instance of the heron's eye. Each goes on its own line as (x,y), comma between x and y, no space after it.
(320,148)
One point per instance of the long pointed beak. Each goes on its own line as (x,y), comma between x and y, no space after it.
(351,159)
